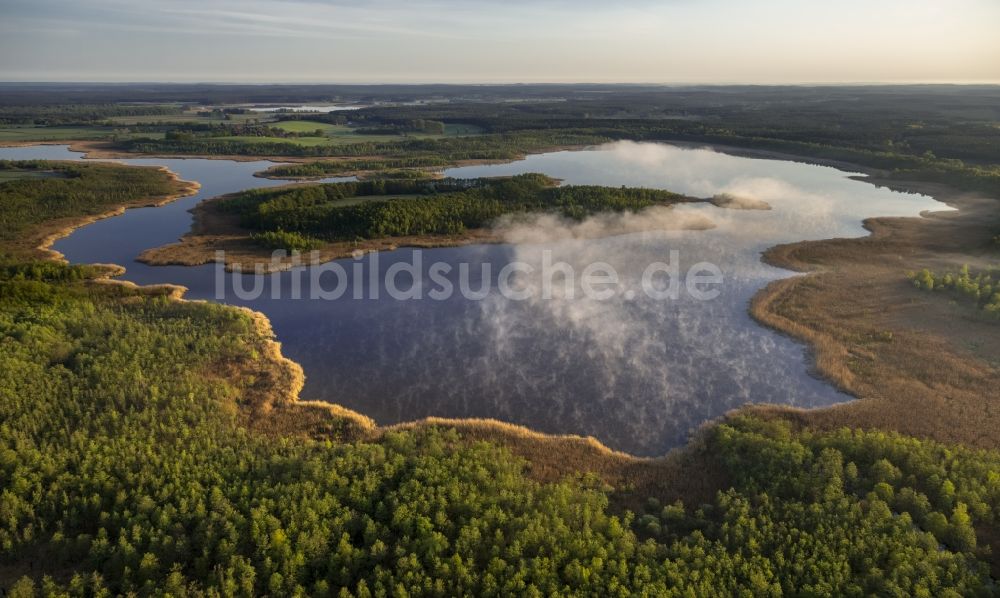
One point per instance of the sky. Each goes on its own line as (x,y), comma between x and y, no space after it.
(493,41)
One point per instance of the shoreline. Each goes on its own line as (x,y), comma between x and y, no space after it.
(590,454)
(41,239)
(918,363)
(212,231)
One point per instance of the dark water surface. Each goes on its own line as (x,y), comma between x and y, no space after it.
(636,372)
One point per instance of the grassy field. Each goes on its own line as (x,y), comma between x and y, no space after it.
(21,133)
(341,134)
(305,126)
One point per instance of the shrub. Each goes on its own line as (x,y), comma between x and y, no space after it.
(289,241)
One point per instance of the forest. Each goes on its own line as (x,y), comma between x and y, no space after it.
(350,166)
(485,147)
(126,469)
(404,207)
(33,192)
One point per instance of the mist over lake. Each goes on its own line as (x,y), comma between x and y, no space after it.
(637,373)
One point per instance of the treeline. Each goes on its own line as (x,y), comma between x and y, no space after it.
(80,189)
(397,174)
(63,114)
(395,127)
(347,166)
(983,289)
(479,147)
(193,132)
(447,206)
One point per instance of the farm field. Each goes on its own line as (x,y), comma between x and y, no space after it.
(22,134)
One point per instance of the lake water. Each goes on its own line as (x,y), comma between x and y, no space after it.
(308,108)
(638,373)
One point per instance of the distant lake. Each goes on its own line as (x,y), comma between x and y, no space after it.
(308,108)
(637,373)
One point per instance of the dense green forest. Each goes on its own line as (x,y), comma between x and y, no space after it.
(402,207)
(70,189)
(125,468)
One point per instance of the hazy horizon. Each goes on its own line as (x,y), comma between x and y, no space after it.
(676,42)
(458,83)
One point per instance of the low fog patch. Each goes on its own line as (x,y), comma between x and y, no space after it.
(545,228)
(731,201)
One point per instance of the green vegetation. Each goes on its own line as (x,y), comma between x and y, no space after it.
(483,147)
(419,125)
(983,288)
(126,469)
(307,126)
(303,141)
(57,114)
(70,189)
(350,166)
(26,133)
(402,174)
(291,137)
(14,174)
(280,239)
(192,115)
(446,206)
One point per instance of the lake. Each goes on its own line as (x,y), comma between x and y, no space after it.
(637,372)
